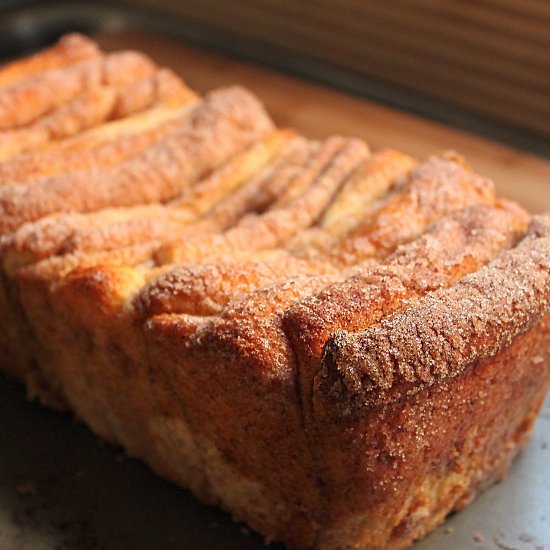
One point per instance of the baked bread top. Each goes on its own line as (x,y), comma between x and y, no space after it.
(375,272)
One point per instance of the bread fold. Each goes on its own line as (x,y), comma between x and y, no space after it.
(467,322)
(92,108)
(25,100)
(227,121)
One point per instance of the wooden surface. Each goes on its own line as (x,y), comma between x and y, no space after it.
(318,111)
(488,56)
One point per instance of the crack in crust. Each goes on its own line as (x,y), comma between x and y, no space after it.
(335,161)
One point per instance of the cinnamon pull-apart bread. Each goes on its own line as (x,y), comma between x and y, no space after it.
(339,346)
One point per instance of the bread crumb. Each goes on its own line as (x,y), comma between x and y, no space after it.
(526,537)
(502,546)
(478,537)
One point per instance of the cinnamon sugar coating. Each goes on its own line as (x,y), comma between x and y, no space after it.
(224,124)
(92,108)
(164,86)
(335,161)
(114,228)
(70,49)
(449,249)
(446,332)
(338,346)
(105,145)
(26,100)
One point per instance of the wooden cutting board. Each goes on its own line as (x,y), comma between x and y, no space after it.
(318,111)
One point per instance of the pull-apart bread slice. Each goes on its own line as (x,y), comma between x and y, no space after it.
(338,346)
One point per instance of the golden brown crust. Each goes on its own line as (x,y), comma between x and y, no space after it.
(25,101)
(452,247)
(432,452)
(439,186)
(329,168)
(261,191)
(449,249)
(163,87)
(356,200)
(55,268)
(284,266)
(457,246)
(106,145)
(70,49)
(85,111)
(205,289)
(367,328)
(116,228)
(210,197)
(224,124)
(379,174)
(443,334)
(250,328)
(95,107)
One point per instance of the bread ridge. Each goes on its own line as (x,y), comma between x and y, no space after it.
(478,315)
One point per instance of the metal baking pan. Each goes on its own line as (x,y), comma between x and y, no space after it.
(63,489)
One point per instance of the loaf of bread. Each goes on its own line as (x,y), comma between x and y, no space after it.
(338,346)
